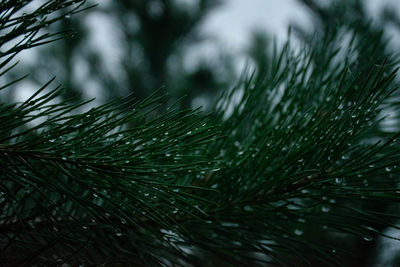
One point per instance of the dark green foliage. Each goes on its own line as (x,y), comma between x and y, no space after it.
(77,179)
(283,171)
(352,16)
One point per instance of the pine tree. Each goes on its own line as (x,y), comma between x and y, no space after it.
(281,172)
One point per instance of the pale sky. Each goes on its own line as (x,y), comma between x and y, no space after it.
(230,26)
(233,21)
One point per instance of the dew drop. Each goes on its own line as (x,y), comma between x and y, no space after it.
(214,186)
(298,232)
(237,243)
(325,209)
(301,220)
(248,208)
(229,224)
(388,169)
(367,238)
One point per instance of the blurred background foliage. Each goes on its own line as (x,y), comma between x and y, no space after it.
(153,38)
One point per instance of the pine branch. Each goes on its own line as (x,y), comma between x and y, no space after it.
(272,179)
